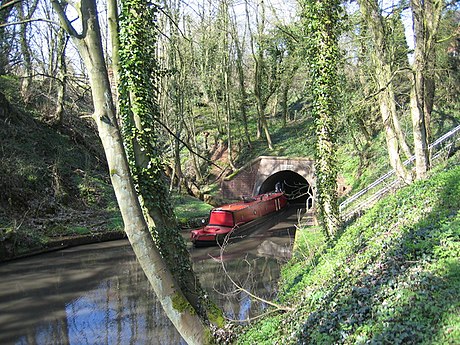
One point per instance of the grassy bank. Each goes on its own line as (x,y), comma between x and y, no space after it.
(392,277)
(54,182)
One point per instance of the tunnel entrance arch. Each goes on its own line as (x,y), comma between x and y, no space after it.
(261,175)
(298,190)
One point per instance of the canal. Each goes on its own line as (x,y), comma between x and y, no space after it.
(98,294)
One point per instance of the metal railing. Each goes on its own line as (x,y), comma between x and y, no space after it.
(390,181)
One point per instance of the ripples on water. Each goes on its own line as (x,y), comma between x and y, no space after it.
(98,294)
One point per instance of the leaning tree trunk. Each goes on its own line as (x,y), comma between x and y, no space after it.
(175,305)
(139,112)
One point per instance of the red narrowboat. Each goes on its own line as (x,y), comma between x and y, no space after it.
(231,218)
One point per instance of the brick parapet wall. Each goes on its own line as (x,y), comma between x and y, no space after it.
(249,179)
(242,183)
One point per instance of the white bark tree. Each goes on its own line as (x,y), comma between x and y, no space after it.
(89,45)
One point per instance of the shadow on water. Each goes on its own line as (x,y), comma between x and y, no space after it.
(95,294)
(98,294)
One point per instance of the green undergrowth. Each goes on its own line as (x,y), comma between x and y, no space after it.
(362,162)
(392,277)
(294,139)
(53,177)
(189,210)
(362,168)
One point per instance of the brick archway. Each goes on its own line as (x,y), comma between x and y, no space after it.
(261,174)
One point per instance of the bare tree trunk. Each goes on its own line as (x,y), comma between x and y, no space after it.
(191,140)
(61,78)
(419,129)
(177,163)
(260,100)
(284,104)
(176,307)
(397,127)
(371,13)
(263,88)
(226,70)
(241,79)
(25,50)
(425,16)
(392,139)
(264,125)
(229,118)
(112,14)
(275,105)
(4,45)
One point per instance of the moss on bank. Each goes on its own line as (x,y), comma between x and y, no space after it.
(393,277)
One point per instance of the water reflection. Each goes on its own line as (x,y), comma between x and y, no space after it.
(97,294)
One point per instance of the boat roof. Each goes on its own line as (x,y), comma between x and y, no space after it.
(250,202)
(234,207)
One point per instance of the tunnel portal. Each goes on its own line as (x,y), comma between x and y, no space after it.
(296,187)
(262,174)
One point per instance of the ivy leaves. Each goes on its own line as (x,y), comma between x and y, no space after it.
(138,107)
(322,25)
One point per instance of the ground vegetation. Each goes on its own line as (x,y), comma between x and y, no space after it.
(227,73)
(391,277)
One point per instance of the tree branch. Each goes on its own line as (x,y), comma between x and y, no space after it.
(28,21)
(241,289)
(173,21)
(185,144)
(386,85)
(8,4)
(65,22)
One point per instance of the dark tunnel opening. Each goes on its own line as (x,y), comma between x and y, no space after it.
(296,187)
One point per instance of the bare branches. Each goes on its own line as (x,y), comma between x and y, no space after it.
(173,22)
(298,190)
(185,144)
(238,288)
(393,75)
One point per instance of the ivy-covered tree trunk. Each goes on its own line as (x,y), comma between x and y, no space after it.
(174,303)
(139,112)
(322,29)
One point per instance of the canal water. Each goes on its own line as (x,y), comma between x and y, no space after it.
(98,294)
